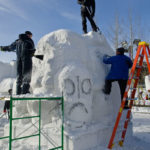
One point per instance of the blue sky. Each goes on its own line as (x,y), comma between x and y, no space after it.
(44,16)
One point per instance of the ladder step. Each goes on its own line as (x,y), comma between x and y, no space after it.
(129,99)
(141,55)
(138,67)
(133,88)
(120,130)
(135,78)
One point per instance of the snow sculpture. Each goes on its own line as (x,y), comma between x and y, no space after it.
(73,65)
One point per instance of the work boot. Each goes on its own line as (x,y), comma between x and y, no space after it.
(25,89)
(84,31)
(126,105)
(18,90)
(95,29)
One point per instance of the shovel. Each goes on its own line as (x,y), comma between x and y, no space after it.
(39,57)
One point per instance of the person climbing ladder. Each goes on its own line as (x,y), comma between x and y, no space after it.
(120,65)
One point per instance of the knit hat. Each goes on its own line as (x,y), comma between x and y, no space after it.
(121,50)
(28,32)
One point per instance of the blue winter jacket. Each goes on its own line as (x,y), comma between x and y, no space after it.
(120,65)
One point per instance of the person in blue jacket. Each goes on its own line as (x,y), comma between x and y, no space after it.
(120,65)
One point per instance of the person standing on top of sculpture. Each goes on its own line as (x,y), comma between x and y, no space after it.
(24,47)
(87,11)
(120,65)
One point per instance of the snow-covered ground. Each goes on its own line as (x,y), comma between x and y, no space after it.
(141,126)
(139,141)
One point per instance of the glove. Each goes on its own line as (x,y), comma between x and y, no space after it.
(106,56)
(98,54)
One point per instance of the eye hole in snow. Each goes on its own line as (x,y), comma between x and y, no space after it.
(84,86)
(69,86)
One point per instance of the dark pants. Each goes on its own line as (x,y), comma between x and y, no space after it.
(7,105)
(24,70)
(85,14)
(122,85)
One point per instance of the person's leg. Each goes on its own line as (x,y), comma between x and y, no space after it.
(107,86)
(94,27)
(122,85)
(27,70)
(4,110)
(7,105)
(19,77)
(83,15)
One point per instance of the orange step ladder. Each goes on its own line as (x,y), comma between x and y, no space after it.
(143,51)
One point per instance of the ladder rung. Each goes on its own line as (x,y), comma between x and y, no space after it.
(133,88)
(138,67)
(135,78)
(120,130)
(141,55)
(129,99)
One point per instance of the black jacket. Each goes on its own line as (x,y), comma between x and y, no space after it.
(24,47)
(90,4)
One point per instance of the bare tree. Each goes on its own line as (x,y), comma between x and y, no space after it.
(131,35)
(126,31)
(115,32)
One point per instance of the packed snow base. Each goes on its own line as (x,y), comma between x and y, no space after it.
(73,65)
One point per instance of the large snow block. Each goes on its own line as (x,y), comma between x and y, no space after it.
(73,65)
(95,136)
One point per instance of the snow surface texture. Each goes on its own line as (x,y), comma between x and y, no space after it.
(147,82)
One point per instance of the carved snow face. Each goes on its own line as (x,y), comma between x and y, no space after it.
(76,83)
